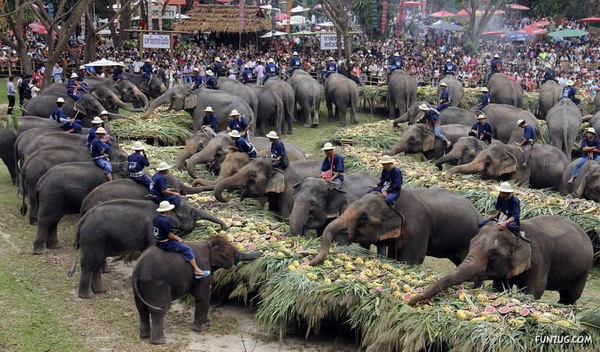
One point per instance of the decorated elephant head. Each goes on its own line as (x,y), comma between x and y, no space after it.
(192,146)
(496,161)
(463,151)
(314,203)
(213,153)
(129,92)
(413,114)
(493,255)
(416,139)
(255,180)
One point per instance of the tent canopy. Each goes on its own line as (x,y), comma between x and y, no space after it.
(447,27)
(102,62)
(590,19)
(567,33)
(270,34)
(518,7)
(442,14)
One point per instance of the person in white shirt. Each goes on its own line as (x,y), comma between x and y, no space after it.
(34,88)
(57,72)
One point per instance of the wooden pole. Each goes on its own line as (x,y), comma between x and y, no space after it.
(288,27)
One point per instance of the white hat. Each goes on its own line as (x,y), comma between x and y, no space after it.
(570,82)
(443,84)
(163,166)
(271,61)
(448,60)
(505,187)
(82,67)
(100,130)
(330,58)
(481,117)
(121,63)
(103,112)
(294,53)
(234,134)
(484,89)
(589,130)
(496,56)
(209,109)
(386,159)
(196,69)
(272,135)
(327,146)
(97,120)
(520,122)
(218,59)
(234,112)
(74,75)
(209,72)
(165,206)
(396,54)
(148,60)
(246,66)
(424,107)
(60,100)
(138,146)
(548,66)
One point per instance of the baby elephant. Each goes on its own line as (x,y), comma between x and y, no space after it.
(160,277)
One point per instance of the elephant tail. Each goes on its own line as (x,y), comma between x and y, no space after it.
(136,291)
(76,246)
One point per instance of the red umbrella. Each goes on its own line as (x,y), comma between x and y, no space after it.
(462,13)
(38,27)
(540,23)
(518,7)
(411,3)
(534,30)
(489,33)
(281,16)
(443,13)
(590,19)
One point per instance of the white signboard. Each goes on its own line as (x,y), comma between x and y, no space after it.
(156,41)
(329,41)
(169,14)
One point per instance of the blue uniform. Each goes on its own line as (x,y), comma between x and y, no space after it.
(247,76)
(278,152)
(496,65)
(433,119)
(135,164)
(549,75)
(596,155)
(483,132)
(510,208)
(444,100)
(271,71)
(295,62)
(330,69)
(391,183)
(147,70)
(246,147)
(211,82)
(211,121)
(161,228)
(99,152)
(239,124)
(91,135)
(449,68)
(529,133)
(570,92)
(485,100)
(80,76)
(336,166)
(217,68)
(157,186)
(71,89)
(197,82)
(57,114)
(117,73)
(397,63)
(64,121)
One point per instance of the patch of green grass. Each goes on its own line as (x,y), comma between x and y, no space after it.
(3,98)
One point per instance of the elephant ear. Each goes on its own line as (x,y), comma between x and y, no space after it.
(190,101)
(276,183)
(428,141)
(336,199)
(508,164)
(79,106)
(520,260)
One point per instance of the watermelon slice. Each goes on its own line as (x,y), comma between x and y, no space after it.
(407,296)
(490,309)
(496,303)
(420,289)
(474,310)
(525,312)
(504,310)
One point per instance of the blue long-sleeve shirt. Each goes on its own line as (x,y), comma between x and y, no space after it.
(445,96)
(510,207)
(147,68)
(432,116)
(397,62)
(91,135)
(158,184)
(239,124)
(496,65)
(593,143)
(272,70)
(485,100)
(247,75)
(331,67)
(393,178)
(569,92)
(136,163)
(449,68)
(277,149)
(338,165)
(211,82)
(211,120)
(58,114)
(98,149)
(295,62)
(198,81)
(246,147)
(529,133)
(485,130)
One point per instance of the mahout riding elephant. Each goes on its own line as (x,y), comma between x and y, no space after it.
(60,192)
(156,285)
(433,222)
(500,161)
(270,109)
(463,151)
(503,119)
(558,258)
(550,94)
(259,179)
(8,137)
(564,121)
(342,92)
(193,145)
(505,91)
(419,138)
(448,116)
(587,185)
(129,189)
(107,230)
(237,88)
(402,93)
(153,88)
(195,101)
(455,90)
(308,97)
(315,203)
(288,97)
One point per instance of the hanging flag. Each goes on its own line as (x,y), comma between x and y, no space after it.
(384,15)
(242,13)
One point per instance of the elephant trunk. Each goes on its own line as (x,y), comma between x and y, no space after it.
(587,118)
(470,168)
(202,157)
(249,256)
(232,182)
(185,154)
(450,157)
(401,119)
(200,214)
(114,116)
(204,182)
(471,269)
(121,104)
(344,223)
(397,148)
(299,216)
(161,100)
(141,97)
(194,190)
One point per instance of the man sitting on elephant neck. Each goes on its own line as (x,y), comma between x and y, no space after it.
(242,145)
(158,186)
(147,69)
(118,72)
(509,211)
(432,118)
(332,169)
(569,92)
(482,130)
(96,123)
(136,164)
(210,122)
(527,141)
(271,70)
(549,74)
(330,68)
(197,78)
(99,152)
(390,183)
(66,123)
(444,101)
(72,87)
(168,241)
(247,75)
(590,146)
(495,67)
(279,157)
(449,68)
(485,99)
(396,63)
(238,123)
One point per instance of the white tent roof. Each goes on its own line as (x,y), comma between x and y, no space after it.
(270,34)
(103,62)
(299,9)
(269,8)
(325,24)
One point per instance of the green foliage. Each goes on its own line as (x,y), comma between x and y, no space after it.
(131,43)
(362,9)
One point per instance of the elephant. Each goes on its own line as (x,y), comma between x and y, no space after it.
(308,97)
(558,258)
(503,119)
(564,120)
(107,230)
(270,109)
(288,97)
(424,221)
(153,89)
(61,191)
(455,90)
(43,160)
(419,138)
(402,93)
(500,161)
(587,185)
(463,151)
(129,189)
(505,91)
(232,163)
(550,93)
(237,88)
(596,104)
(343,93)
(259,179)
(315,203)
(193,145)
(448,116)
(155,285)
(195,101)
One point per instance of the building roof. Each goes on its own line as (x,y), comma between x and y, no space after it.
(224,19)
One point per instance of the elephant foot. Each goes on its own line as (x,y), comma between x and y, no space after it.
(290,132)
(23,210)
(158,341)
(144,332)
(39,250)
(85,294)
(105,268)
(99,289)
(33,221)
(308,125)
(199,328)
(54,245)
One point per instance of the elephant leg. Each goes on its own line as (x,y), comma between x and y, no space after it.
(39,242)
(315,113)
(391,108)
(381,249)
(52,241)
(535,283)
(500,285)
(572,294)
(144,318)
(278,123)
(392,250)
(202,296)
(329,105)
(352,114)
(97,286)
(85,282)
(157,335)
(413,248)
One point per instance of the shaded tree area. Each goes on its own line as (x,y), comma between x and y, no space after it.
(338,12)
(562,8)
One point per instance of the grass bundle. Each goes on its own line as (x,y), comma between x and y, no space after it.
(161,128)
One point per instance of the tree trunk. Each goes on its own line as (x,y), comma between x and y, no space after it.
(90,37)
(15,23)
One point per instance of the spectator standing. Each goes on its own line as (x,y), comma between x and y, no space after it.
(11,92)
